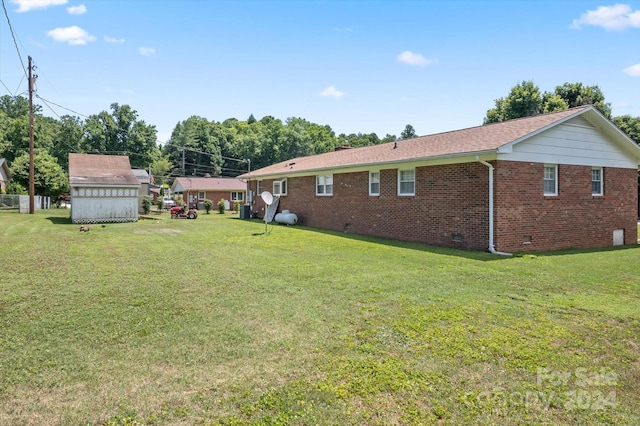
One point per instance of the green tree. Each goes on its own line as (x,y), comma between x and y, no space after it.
(629,125)
(575,94)
(408,132)
(160,169)
(70,132)
(552,102)
(523,100)
(120,132)
(50,179)
(194,143)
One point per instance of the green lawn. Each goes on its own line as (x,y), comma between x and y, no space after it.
(209,322)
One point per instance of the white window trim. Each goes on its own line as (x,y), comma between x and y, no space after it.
(601,193)
(555,169)
(324,185)
(239,196)
(204,195)
(400,194)
(281,182)
(370,182)
(259,189)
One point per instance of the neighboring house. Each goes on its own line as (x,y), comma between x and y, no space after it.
(197,189)
(559,180)
(103,189)
(143,178)
(4,175)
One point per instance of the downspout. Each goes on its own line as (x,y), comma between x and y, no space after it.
(492,247)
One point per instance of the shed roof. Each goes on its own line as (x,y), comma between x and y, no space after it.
(475,140)
(182,184)
(142,175)
(110,170)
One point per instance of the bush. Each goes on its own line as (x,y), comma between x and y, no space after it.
(146,204)
(207,205)
(221,206)
(160,203)
(236,206)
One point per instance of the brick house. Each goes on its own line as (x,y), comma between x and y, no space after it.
(195,190)
(552,181)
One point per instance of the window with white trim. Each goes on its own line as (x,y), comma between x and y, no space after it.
(550,179)
(374,183)
(596,181)
(259,187)
(406,182)
(280,187)
(201,195)
(324,185)
(237,196)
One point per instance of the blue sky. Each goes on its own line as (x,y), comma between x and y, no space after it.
(357,66)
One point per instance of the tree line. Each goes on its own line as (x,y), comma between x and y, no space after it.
(199,146)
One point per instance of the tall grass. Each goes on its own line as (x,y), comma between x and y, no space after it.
(212,322)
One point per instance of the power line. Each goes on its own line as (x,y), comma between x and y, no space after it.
(60,106)
(24,70)
(206,153)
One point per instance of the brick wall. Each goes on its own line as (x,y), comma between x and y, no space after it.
(526,220)
(449,207)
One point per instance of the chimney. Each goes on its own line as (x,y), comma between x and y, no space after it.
(207,175)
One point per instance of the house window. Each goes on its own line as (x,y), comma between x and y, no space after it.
(596,181)
(201,195)
(374,183)
(406,182)
(259,187)
(237,196)
(324,185)
(550,179)
(280,187)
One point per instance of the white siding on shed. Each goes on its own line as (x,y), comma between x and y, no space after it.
(575,142)
(104,204)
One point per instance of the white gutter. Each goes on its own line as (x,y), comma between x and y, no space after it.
(492,247)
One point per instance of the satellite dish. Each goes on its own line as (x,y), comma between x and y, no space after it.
(267,197)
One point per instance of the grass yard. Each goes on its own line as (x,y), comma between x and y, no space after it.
(208,322)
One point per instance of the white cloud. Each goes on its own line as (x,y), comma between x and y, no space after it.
(633,70)
(113,40)
(77,10)
(147,51)
(72,35)
(413,59)
(616,17)
(27,5)
(332,92)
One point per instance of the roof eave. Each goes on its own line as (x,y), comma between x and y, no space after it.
(372,165)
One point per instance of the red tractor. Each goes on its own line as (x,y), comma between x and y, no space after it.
(181,212)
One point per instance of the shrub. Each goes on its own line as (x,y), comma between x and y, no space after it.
(207,205)
(221,206)
(236,206)
(146,204)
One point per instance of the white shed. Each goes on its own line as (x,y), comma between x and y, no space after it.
(103,189)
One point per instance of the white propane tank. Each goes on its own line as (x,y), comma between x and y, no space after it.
(286,218)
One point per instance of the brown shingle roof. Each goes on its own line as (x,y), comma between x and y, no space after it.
(479,139)
(89,169)
(210,184)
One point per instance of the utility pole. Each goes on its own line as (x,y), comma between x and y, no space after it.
(32,81)
(183,171)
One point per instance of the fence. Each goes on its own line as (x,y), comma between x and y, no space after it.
(21,202)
